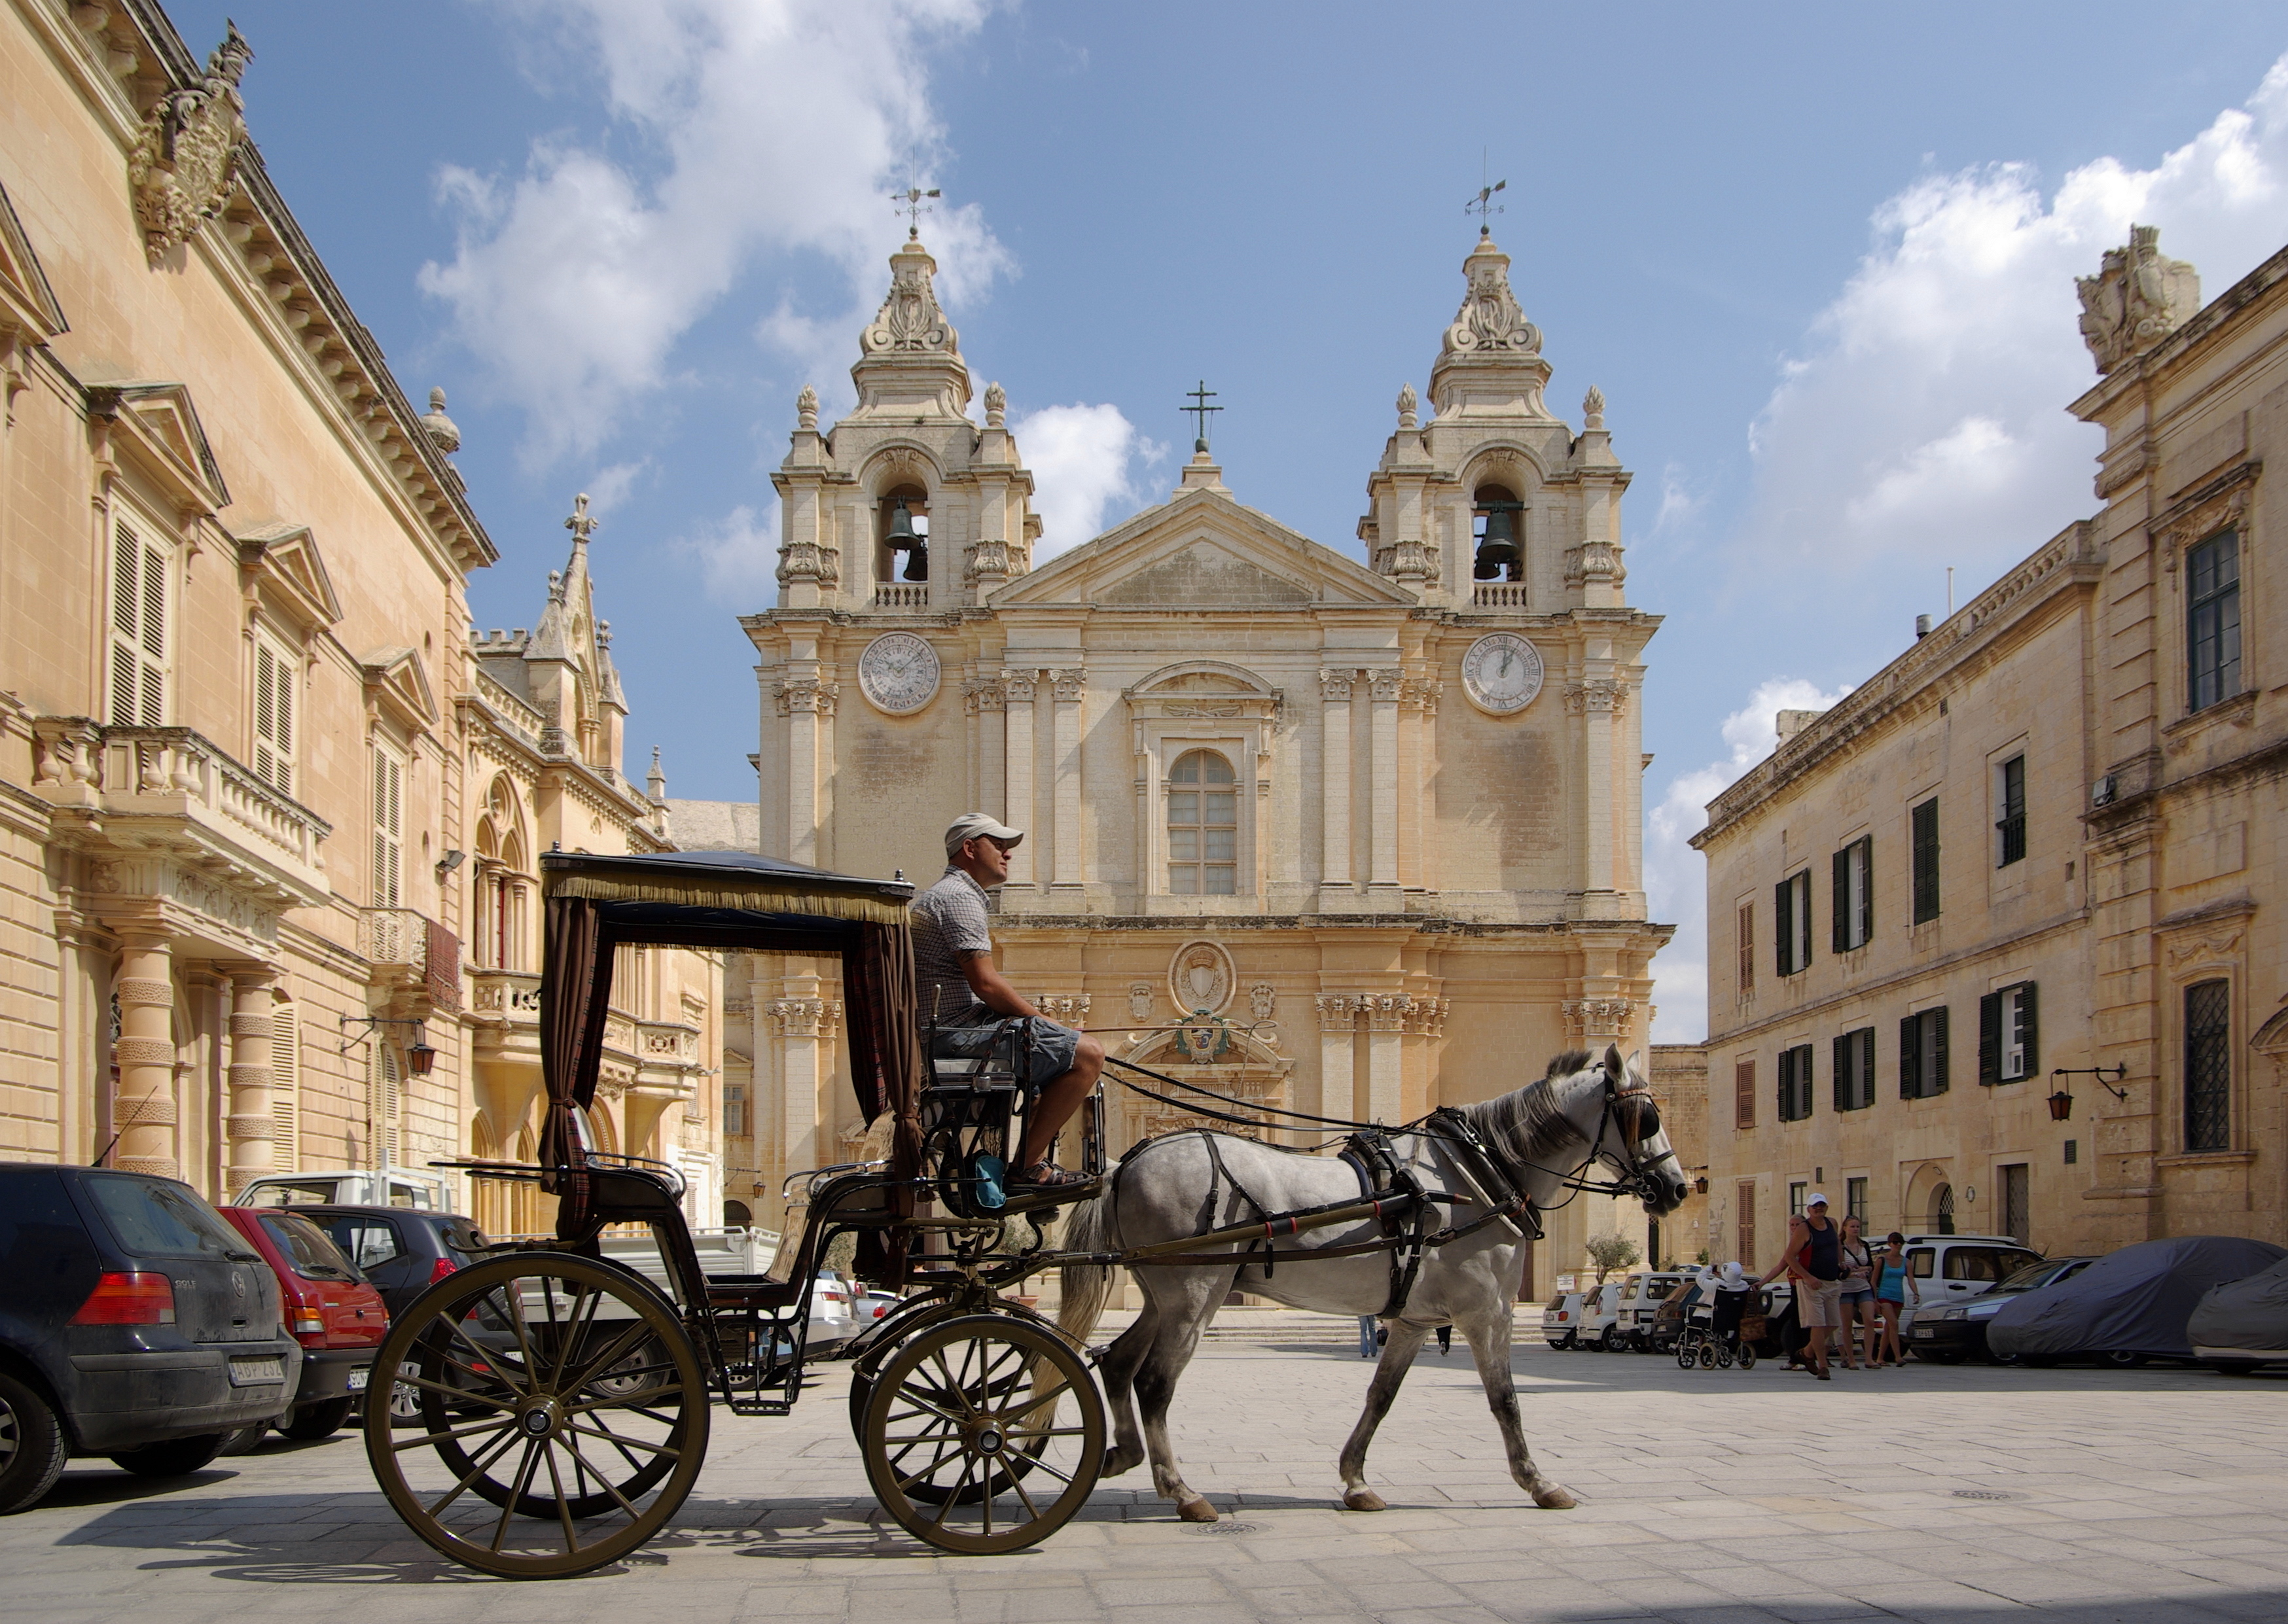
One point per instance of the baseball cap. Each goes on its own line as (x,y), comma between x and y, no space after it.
(969,825)
(1814,1200)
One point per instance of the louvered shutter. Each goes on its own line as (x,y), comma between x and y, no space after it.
(1747,915)
(1840,936)
(1783,928)
(2029,1032)
(139,632)
(1910,1056)
(385,1100)
(285,1090)
(388,826)
(1844,1071)
(1744,1094)
(274,717)
(1990,1039)
(1867,897)
(1938,1066)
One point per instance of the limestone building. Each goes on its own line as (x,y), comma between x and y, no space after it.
(1367,831)
(2045,838)
(257,788)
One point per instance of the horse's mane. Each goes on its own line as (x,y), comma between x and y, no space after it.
(1528,1118)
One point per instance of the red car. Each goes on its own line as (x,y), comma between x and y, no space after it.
(332,1311)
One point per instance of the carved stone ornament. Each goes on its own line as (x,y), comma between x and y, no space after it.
(1335,686)
(809,561)
(805,409)
(1592,408)
(2137,299)
(1263,1001)
(1408,405)
(1200,977)
(996,407)
(1338,1011)
(808,694)
(910,322)
(1490,321)
(1139,1000)
(185,156)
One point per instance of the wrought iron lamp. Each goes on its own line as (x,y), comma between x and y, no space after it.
(2061,1103)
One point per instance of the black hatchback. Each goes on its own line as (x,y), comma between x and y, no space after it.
(401,1249)
(137,1324)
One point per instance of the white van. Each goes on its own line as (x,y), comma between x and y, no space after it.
(1641,1295)
(1947,1269)
(352,1187)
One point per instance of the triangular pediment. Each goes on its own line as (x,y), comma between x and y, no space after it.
(399,688)
(1202,550)
(156,423)
(26,299)
(284,557)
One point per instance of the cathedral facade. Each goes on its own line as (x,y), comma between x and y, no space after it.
(1355,838)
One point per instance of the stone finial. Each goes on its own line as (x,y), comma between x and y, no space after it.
(185,161)
(911,320)
(444,432)
(556,586)
(1490,322)
(996,407)
(1408,405)
(2136,299)
(1592,408)
(805,409)
(580,523)
(604,643)
(656,781)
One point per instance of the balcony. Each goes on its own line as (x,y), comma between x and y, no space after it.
(1498,595)
(412,954)
(901,595)
(171,792)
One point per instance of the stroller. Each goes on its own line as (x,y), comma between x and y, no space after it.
(1718,1334)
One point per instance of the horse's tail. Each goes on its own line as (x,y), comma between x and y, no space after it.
(1086,1287)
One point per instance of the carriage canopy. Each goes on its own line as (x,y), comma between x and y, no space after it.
(726,899)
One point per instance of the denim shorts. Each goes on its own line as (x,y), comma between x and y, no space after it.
(1048,1054)
(1862,1295)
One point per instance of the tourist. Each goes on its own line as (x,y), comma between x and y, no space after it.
(1857,1298)
(1893,1283)
(1813,1262)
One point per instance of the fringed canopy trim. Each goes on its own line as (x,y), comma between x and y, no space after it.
(717,892)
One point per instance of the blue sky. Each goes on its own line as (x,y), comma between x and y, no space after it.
(1818,258)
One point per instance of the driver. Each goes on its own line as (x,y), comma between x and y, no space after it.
(956,982)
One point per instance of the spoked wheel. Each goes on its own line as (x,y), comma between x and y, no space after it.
(562,1415)
(983,1434)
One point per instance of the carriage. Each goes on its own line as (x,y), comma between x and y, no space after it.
(563,1399)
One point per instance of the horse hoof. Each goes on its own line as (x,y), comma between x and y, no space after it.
(1120,1461)
(1364,1500)
(1196,1509)
(1554,1499)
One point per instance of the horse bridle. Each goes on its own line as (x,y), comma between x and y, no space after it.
(1635,1115)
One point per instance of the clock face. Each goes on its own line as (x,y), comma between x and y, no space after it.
(898,673)
(1501,673)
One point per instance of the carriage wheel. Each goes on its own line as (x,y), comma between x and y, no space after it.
(563,1415)
(953,1413)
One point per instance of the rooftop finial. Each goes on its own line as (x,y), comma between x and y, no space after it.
(1483,205)
(580,523)
(996,407)
(1409,406)
(444,432)
(912,202)
(805,409)
(1592,408)
(1199,409)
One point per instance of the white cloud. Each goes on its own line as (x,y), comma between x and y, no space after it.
(1085,474)
(769,126)
(609,487)
(1676,876)
(739,554)
(1926,420)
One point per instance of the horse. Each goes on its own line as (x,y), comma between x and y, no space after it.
(1540,1137)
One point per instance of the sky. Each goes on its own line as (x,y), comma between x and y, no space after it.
(1820,260)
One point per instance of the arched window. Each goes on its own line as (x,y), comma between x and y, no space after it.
(1203,826)
(905,545)
(736,1215)
(1942,1211)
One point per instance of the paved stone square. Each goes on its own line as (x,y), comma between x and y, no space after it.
(2153,1494)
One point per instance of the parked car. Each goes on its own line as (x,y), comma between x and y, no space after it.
(1601,1316)
(872,1304)
(1950,1269)
(137,1324)
(403,1251)
(1669,1319)
(333,1310)
(2129,1306)
(1641,1295)
(2240,1325)
(350,1187)
(832,1319)
(1950,1335)
(1561,1320)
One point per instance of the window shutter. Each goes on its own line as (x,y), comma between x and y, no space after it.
(285,1089)
(386,1103)
(139,625)
(1938,1069)
(1843,1071)
(1839,934)
(1783,929)
(2029,1031)
(1909,1055)
(1990,1039)
(388,826)
(126,595)
(1747,916)
(1744,1094)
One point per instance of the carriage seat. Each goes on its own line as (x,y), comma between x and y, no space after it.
(754,1291)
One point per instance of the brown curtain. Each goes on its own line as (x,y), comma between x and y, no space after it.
(886,1069)
(576,984)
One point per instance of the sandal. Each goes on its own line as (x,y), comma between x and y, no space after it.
(1046,1175)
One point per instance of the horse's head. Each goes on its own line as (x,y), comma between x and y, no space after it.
(1612,1108)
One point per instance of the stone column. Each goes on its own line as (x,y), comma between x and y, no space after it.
(143,1108)
(1595,701)
(253,1126)
(1338,1023)
(1334,783)
(987,701)
(1385,1074)
(798,1020)
(807,703)
(1018,687)
(1071,687)
(1382,873)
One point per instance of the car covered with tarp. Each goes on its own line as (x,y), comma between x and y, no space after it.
(2239,1325)
(2128,1306)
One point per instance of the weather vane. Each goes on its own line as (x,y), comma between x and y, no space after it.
(911,204)
(1483,205)
(1200,408)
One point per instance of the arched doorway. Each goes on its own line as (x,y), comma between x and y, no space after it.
(1941,1210)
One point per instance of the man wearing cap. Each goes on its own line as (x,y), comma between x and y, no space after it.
(956,982)
(1813,1264)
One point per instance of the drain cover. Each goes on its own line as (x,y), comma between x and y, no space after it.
(1227,1526)
(1986,1494)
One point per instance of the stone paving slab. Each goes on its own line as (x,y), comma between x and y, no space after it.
(2136,1497)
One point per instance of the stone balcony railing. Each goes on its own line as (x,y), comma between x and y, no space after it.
(901,595)
(413,952)
(172,789)
(1498,595)
(512,992)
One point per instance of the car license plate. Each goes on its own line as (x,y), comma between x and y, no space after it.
(1923,1335)
(358,1378)
(255,1373)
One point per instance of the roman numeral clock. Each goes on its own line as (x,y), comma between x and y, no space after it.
(898,673)
(1501,673)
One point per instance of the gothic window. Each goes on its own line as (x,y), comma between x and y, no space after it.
(1203,826)
(141,585)
(276,697)
(1855,894)
(388,825)
(2208,1066)
(2212,628)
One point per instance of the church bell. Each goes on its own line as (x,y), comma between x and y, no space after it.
(1497,551)
(903,538)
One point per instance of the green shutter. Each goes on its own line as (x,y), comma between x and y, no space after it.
(1840,937)
(1867,910)
(1910,1056)
(1938,1071)
(2029,1030)
(1990,1039)
(1843,1101)
(1783,934)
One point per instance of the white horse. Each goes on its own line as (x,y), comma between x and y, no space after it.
(1582,1114)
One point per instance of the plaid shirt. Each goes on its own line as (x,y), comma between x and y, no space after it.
(947,920)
